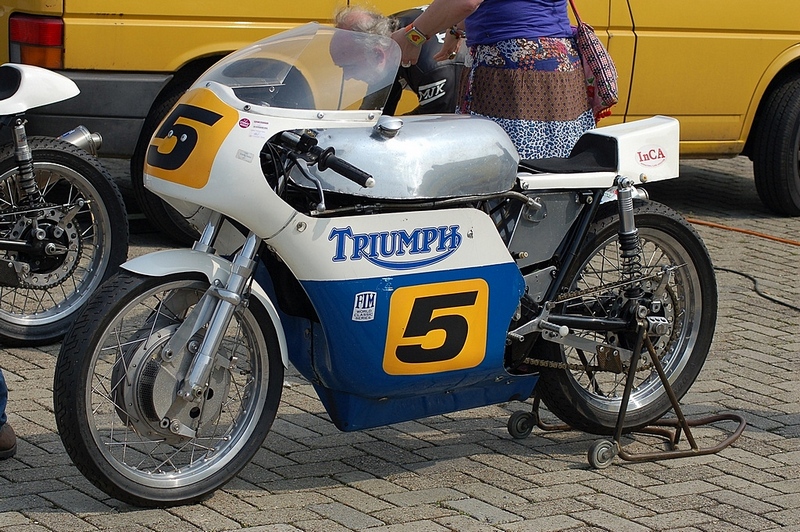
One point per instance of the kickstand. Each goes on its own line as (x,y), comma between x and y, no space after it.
(602,452)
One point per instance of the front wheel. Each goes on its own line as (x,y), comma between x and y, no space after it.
(75,237)
(588,399)
(115,393)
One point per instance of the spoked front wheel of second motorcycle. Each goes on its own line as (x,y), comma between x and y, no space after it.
(589,400)
(116,385)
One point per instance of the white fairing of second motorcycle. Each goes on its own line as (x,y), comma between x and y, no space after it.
(37,87)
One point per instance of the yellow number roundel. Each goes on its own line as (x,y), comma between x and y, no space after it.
(186,143)
(437,327)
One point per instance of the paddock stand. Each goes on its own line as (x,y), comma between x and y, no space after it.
(602,452)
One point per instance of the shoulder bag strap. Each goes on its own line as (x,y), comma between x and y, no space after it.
(575,10)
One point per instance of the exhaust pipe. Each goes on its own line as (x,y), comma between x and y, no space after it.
(82,138)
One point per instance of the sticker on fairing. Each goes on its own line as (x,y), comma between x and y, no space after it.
(364,306)
(397,249)
(651,156)
(437,327)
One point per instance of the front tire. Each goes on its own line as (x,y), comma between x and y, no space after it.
(590,400)
(776,150)
(73,184)
(114,393)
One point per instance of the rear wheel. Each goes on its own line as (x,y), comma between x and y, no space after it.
(115,393)
(589,400)
(77,236)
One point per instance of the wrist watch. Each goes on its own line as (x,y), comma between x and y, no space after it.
(415,36)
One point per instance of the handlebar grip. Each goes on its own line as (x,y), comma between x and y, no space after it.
(328,160)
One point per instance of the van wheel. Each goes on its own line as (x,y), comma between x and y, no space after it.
(776,151)
(162,215)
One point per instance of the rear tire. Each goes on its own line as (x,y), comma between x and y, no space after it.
(590,400)
(776,150)
(114,389)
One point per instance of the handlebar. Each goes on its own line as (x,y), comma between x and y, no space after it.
(326,158)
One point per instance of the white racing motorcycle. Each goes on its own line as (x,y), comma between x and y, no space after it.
(406,267)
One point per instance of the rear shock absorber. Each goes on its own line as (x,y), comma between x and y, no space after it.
(24,159)
(630,246)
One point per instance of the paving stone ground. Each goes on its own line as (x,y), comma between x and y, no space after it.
(463,471)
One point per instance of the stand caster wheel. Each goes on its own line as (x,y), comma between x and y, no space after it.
(520,424)
(602,453)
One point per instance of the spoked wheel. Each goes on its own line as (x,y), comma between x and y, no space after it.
(115,393)
(589,399)
(76,236)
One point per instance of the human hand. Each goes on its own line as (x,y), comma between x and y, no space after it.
(410,51)
(449,48)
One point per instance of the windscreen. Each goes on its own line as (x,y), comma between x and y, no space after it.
(311,67)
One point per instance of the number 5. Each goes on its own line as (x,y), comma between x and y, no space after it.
(437,327)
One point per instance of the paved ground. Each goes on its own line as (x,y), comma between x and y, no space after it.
(463,471)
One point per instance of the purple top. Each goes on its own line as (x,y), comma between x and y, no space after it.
(500,20)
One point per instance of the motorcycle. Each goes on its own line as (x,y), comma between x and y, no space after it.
(63,224)
(406,267)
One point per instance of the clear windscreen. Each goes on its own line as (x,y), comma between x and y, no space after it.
(311,67)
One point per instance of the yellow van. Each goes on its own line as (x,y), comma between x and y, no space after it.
(729,70)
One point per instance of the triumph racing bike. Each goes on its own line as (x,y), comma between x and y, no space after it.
(406,267)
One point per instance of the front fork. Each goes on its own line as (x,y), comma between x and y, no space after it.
(219,302)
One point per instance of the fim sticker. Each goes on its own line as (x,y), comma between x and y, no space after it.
(364,306)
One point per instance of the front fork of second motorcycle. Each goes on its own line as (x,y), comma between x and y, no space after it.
(227,298)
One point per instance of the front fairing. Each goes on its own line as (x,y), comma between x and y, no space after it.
(310,67)
(207,150)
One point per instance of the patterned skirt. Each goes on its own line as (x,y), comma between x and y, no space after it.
(535,89)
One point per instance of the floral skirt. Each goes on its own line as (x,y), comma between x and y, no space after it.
(535,89)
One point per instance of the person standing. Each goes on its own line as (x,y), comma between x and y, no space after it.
(524,68)
(8,440)
(435,82)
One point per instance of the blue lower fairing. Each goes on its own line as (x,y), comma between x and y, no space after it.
(351,412)
(407,346)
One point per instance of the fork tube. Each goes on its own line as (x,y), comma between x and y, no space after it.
(229,298)
(210,233)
